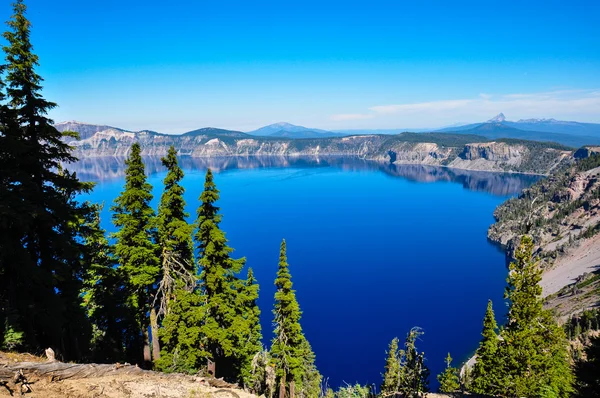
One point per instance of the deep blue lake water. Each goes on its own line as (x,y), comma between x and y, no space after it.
(374,249)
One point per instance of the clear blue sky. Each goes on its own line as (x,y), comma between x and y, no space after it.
(177,66)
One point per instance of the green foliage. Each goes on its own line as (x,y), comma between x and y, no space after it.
(291,353)
(533,349)
(181,302)
(412,377)
(392,369)
(222,329)
(248,328)
(174,232)
(40,220)
(13,339)
(485,373)
(414,374)
(583,322)
(182,350)
(589,163)
(588,371)
(449,379)
(135,243)
(353,391)
(105,298)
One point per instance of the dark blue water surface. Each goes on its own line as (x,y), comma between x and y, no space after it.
(374,249)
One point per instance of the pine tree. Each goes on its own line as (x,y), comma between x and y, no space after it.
(178,275)
(449,380)
(533,349)
(182,348)
(292,356)
(40,220)
(174,232)
(484,378)
(135,245)
(248,328)
(413,379)
(105,297)
(219,284)
(392,369)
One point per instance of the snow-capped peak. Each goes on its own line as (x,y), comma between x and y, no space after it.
(499,118)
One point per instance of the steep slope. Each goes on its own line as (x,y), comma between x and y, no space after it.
(562,213)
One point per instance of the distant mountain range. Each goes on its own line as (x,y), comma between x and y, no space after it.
(288,130)
(573,134)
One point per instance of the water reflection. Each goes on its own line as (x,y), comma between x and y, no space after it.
(111,168)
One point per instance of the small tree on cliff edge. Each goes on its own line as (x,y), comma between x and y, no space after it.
(291,354)
(392,369)
(487,366)
(533,348)
(449,379)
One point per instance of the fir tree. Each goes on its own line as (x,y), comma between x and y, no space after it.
(392,369)
(40,220)
(105,297)
(174,232)
(292,356)
(219,284)
(449,380)
(413,379)
(178,272)
(182,348)
(248,329)
(533,349)
(484,378)
(135,245)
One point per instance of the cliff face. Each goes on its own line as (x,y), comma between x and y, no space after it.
(424,149)
(562,214)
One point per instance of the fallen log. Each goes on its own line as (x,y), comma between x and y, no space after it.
(21,377)
(63,371)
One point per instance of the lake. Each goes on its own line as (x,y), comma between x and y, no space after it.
(374,249)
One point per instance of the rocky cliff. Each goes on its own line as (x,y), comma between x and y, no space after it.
(562,214)
(436,149)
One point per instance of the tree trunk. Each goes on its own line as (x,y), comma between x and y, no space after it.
(155,339)
(147,355)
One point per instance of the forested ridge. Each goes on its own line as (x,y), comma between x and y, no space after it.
(167,294)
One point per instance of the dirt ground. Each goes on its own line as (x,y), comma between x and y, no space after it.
(145,385)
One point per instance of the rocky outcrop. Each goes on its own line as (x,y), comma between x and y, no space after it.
(443,150)
(562,214)
(495,151)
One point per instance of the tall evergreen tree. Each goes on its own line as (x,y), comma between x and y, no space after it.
(392,369)
(248,328)
(105,297)
(174,232)
(135,245)
(220,285)
(414,374)
(533,349)
(484,377)
(181,336)
(40,220)
(292,356)
(176,249)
